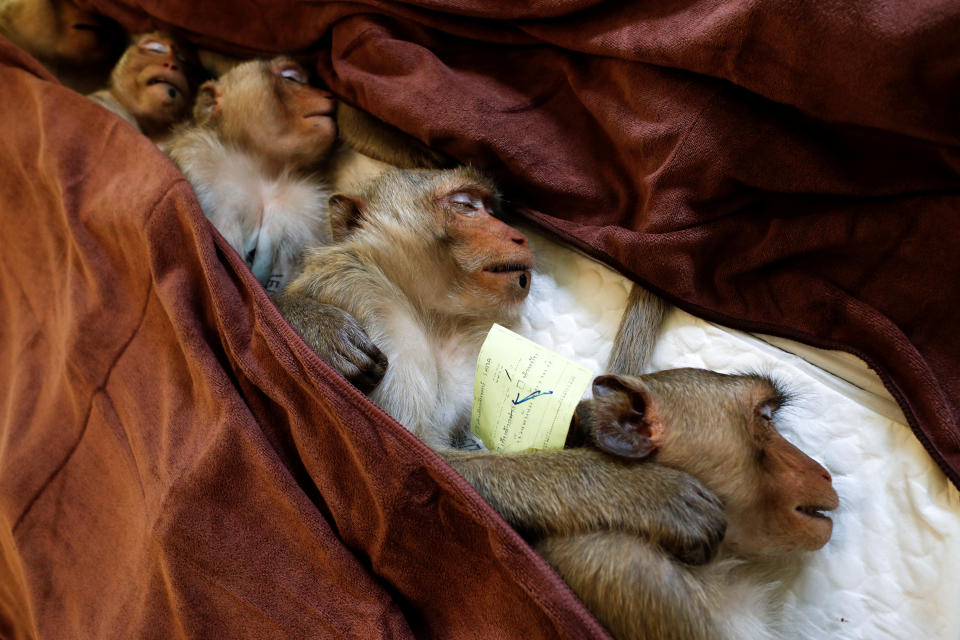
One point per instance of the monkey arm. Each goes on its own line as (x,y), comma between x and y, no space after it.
(581,490)
(330,304)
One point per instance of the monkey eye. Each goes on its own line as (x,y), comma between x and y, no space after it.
(294,74)
(155,46)
(765,411)
(466,203)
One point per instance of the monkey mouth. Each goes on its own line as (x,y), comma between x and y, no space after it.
(173,82)
(80,26)
(815,511)
(515,269)
(507,268)
(316,117)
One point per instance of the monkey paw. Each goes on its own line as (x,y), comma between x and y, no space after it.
(336,337)
(694,523)
(348,349)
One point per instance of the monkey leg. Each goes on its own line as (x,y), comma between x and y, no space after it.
(337,337)
(381,141)
(631,586)
(572,491)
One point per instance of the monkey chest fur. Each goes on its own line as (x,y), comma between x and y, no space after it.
(428,386)
(268,219)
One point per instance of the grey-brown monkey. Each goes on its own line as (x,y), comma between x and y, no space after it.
(419,260)
(717,427)
(76,45)
(257,158)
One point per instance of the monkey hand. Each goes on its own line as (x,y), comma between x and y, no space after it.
(686,519)
(337,337)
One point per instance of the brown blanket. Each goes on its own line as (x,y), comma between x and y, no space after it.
(175,463)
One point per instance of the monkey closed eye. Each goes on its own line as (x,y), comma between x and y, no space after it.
(466,203)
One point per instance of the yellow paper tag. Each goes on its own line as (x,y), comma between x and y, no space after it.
(524,395)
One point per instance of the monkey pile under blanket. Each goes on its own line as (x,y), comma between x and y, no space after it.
(175,463)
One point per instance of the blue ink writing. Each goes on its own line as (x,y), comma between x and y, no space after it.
(535,394)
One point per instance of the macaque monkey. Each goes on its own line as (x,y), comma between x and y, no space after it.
(152,85)
(421,262)
(77,46)
(719,428)
(256,156)
(419,259)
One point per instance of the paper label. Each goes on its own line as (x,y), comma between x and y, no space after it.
(524,395)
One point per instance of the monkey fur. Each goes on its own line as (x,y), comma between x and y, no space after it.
(637,540)
(153,84)
(420,262)
(256,157)
(78,46)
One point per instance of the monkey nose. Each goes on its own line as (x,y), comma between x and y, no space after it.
(523,281)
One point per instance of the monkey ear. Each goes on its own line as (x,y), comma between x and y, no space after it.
(628,428)
(345,213)
(207,104)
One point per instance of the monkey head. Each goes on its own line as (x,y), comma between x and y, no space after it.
(720,429)
(59,32)
(435,235)
(155,80)
(269,109)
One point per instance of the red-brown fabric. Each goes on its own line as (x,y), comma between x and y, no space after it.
(790,168)
(173,463)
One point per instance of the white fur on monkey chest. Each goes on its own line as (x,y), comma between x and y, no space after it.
(428,386)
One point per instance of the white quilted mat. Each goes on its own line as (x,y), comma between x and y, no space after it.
(892,568)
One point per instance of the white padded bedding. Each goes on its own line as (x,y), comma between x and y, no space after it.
(892,568)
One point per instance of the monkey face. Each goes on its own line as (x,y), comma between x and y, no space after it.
(60,32)
(494,258)
(269,109)
(434,234)
(720,429)
(307,128)
(151,81)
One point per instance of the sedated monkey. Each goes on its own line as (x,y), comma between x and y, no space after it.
(257,158)
(720,429)
(419,259)
(76,45)
(153,84)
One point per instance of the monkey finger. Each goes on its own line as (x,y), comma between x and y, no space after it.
(377,357)
(358,368)
(696,524)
